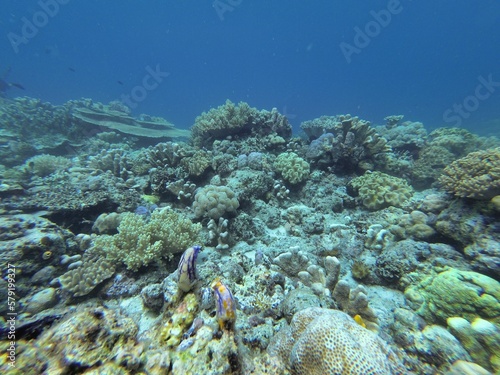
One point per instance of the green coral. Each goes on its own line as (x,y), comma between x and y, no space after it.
(292,167)
(454,292)
(379,190)
(140,241)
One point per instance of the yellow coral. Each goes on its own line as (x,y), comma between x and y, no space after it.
(476,175)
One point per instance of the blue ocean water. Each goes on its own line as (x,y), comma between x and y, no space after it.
(435,62)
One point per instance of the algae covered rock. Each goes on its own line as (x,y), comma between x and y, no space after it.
(379,190)
(456,293)
(86,338)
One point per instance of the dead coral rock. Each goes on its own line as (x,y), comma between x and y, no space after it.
(86,338)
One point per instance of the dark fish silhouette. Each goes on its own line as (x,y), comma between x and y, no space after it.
(4,85)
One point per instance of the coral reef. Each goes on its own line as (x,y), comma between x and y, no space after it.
(315,240)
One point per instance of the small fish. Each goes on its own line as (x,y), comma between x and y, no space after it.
(197,324)
(71,69)
(224,303)
(120,82)
(187,268)
(185,344)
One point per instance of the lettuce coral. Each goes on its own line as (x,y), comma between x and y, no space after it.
(140,241)
(379,190)
(476,175)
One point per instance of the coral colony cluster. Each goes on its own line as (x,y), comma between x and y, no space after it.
(129,246)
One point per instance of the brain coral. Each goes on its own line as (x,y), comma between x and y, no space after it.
(476,175)
(214,201)
(378,190)
(323,341)
(292,167)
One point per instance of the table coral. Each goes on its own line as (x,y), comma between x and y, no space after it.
(322,341)
(476,175)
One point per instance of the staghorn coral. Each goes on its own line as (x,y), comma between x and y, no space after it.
(379,190)
(214,201)
(322,341)
(240,120)
(140,241)
(476,175)
(293,168)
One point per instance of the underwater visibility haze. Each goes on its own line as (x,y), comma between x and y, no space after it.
(249,187)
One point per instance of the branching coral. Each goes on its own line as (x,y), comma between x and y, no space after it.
(43,165)
(241,119)
(349,142)
(140,241)
(477,175)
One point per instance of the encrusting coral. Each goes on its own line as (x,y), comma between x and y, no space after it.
(476,175)
(140,241)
